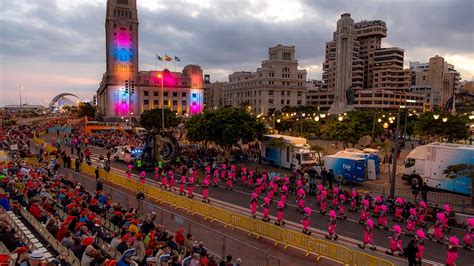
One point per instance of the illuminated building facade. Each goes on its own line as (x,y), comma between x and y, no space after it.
(124,90)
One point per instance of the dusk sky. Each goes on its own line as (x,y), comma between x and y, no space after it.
(54,46)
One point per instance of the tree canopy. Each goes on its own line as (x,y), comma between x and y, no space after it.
(151,119)
(85,109)
(224,127)
(454,128)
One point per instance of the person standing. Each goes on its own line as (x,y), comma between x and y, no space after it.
(331,178)
(324,176)
(424,192)
(410,252)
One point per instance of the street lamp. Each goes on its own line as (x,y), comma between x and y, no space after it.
(385,125)
(445,119)
(339,118)
(316,118)
(436,116)
(379,120)
(322,115)
(160,76)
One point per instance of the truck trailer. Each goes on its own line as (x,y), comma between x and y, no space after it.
(351,168)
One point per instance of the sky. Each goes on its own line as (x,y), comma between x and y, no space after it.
(55,46)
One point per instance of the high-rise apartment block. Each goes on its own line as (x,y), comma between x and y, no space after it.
(377,74)
(276,84)
(437,80)
(124,90)
(213,97)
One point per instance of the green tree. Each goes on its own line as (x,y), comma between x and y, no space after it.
(151,119)
(460,170)
(225,127)
(86,109)
(455,127)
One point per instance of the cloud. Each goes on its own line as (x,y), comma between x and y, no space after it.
(59,45)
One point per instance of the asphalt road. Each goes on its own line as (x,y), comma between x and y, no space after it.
(350,231)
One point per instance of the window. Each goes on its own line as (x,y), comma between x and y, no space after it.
(299,93)
(155,102)
(270,92)
(194,95)
(270,101)
(175,94)
(145,93)
(165,94)
(165,102)
(155,94)
(282,101)
(183,94)
(175,102)
(183,103)
(282,93)
(146,102)
(287,101)
(298,102)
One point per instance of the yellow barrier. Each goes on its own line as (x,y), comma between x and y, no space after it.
(311,245)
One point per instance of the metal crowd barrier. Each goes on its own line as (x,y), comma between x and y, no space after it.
(288,238)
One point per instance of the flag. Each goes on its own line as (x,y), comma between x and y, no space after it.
(177,59)
(168,58)
(159,58)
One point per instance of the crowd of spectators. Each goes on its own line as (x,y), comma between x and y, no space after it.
(71,214)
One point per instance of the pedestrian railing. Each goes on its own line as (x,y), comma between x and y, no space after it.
(289,238)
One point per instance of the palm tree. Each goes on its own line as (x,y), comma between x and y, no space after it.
(278,143)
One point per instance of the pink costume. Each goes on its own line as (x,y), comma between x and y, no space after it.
(354,197)
(299,183)
(205,190)
(300,198)
(142,177)
(368,235)
(281,209)
(341,207)
(208,170)
(364,212)
(378,203)
(469,234)
(182,181)
(164,180)
(322,202)
(230,179)
(258,188)
(190,187)
(396,240)
(452,251)
(332,225)
(266,206)
(399,204)
(411,221)
(421,213)
(129,171)
(447,211)
(306,220)
(420,242)
(170,179)
(382,221)
(215,178)
(253,204)
(438,226)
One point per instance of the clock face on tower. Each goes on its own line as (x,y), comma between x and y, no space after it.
(122,22)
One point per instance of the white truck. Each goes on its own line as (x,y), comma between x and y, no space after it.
(122,153)
(441,165)
(292,152)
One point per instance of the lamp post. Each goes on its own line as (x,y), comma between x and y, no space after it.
(21,105)
(162,102)
(394,158)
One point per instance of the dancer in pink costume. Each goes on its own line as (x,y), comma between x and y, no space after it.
(420,243)
(142,177)
(190,187)
(182,182)
(250,180)
(421,213)
(399,205)
(208,170)
(300,195)
(382,221)
(253,204)
(318,193)
(323,202)
(215,178)
(377,204)
(396,244)
(129,171)
(354,199)
(411,222)
(341,214)
(438,228)
(447,213)
(335,198)
(164,180)
(452,255)
(281,212)
(332,226)
(170,180)
(230,180)
(467,239)
(368,235)
(266,206)
(306,220)
(364,212)
(205,190)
